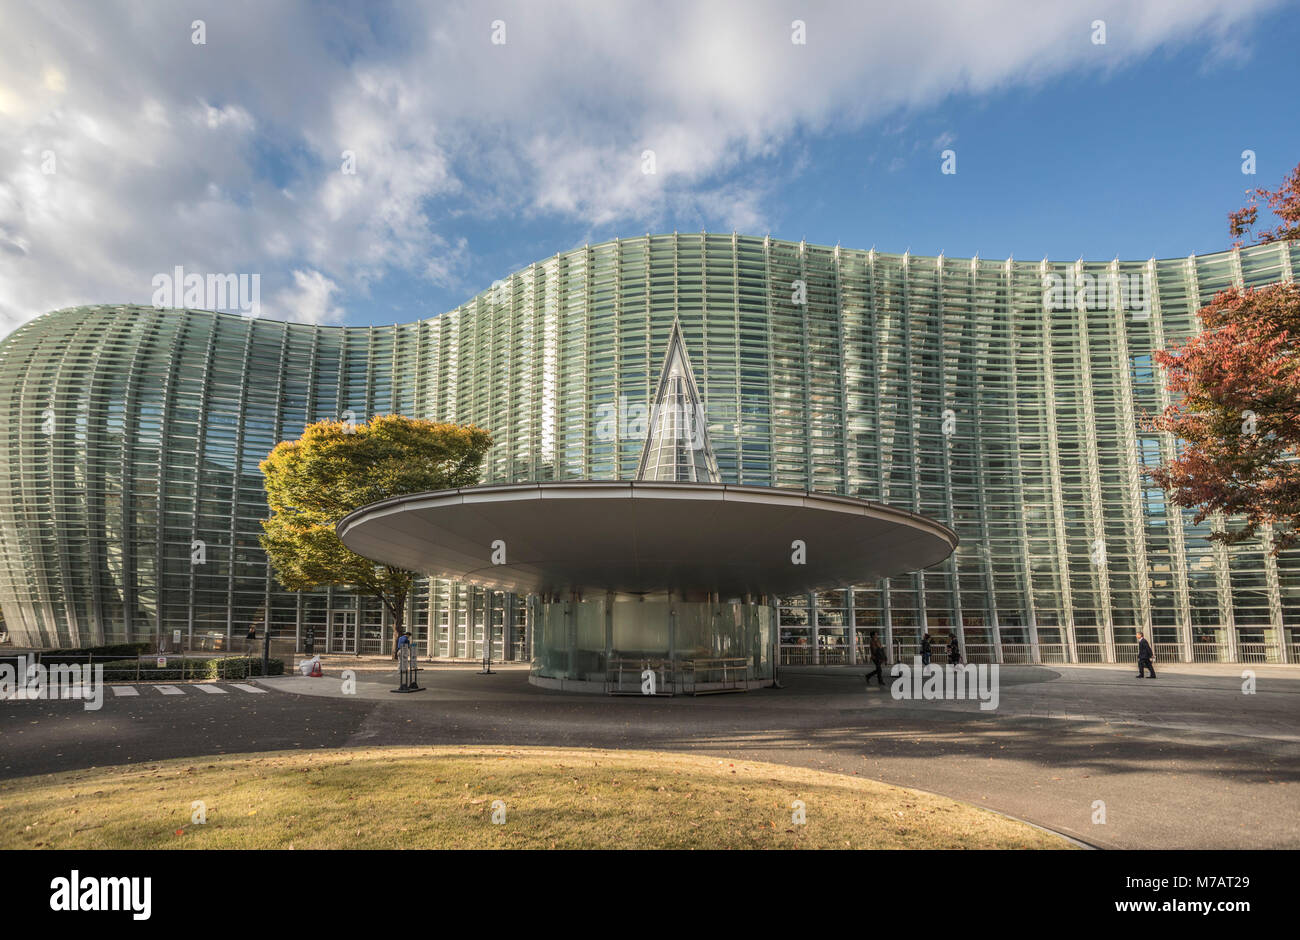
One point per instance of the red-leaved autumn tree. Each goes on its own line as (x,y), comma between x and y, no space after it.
(1283,202)
(1236,390)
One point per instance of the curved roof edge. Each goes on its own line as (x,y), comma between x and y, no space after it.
(582,489)
(483,296)
(643,536)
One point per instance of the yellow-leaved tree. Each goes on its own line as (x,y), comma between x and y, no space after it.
(336,467)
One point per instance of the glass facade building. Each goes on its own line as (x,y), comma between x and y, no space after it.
(1004,399)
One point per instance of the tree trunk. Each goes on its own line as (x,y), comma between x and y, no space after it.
(399,619)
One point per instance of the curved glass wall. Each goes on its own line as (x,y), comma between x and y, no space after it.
(1002,398)
(692,642)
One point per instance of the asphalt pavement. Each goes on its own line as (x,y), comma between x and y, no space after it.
(1186,761)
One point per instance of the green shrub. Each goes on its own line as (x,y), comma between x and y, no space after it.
(219,667)
(236,667)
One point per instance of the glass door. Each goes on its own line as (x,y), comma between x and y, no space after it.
(343,631)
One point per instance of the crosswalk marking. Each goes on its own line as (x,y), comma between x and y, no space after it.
(127,691)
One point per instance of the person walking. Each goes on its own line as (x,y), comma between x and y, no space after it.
(925,650)
(877,659)
(954,651)
(1146,657)
(251,638)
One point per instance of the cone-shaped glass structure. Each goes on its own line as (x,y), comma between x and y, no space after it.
(677,446)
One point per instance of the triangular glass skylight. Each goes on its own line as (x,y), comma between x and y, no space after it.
(677,446)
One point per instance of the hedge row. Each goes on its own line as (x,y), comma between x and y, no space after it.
(98,652)
(221,667)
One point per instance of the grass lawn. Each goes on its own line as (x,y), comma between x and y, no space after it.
(442,797)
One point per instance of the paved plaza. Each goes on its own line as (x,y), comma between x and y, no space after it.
(1185,761)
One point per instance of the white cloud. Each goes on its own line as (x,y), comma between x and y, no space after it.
(227,157)
(310,300)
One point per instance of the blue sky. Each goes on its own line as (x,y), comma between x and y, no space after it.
(127,147)
(1088,165)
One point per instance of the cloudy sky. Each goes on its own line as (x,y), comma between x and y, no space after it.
(484,136)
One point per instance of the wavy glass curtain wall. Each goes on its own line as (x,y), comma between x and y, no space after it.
(1002,398)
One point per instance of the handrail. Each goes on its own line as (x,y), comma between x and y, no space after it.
(617,666)
(734,669)
(719,673)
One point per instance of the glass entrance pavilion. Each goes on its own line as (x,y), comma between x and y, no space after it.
(674,574)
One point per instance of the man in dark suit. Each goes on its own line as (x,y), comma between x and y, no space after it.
(1145,657)
(877,659)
